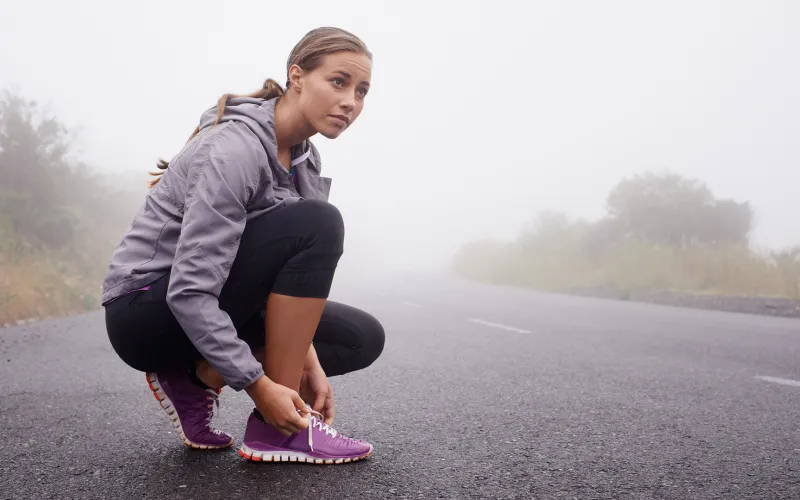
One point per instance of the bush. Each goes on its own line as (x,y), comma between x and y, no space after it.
(59,220)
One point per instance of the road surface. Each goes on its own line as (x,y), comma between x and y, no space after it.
(482,392)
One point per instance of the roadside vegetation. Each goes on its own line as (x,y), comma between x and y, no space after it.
(59,219)
(661,231)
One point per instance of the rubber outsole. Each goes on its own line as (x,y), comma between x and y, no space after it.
(295,456)
(169,409)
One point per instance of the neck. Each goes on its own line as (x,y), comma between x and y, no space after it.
(291,128)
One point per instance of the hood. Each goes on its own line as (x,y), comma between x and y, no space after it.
(257,114)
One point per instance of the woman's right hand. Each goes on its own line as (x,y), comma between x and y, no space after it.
(278,405)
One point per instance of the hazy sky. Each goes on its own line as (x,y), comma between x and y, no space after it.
(480,113)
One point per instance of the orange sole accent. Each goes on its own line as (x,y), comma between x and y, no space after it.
(255,459)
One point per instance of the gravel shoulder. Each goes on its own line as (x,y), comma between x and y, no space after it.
(766,306)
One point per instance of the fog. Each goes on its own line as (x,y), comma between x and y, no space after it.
(480,113)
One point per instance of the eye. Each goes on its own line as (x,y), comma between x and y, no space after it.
(339,82)
(362,92)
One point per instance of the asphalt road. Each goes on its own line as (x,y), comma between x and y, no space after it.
(482,392)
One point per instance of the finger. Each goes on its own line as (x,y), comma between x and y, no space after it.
(284,430)
(330,411)
(319,402)
(280,426)
(296,423)
(291,423)
(299,403)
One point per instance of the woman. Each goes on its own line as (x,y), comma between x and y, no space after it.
(223,276)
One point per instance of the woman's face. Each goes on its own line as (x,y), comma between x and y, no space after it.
(332,95)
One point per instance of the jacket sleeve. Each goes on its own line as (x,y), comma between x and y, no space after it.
(220,180)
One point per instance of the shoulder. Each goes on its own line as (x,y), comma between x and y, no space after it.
(229,154)
(231,148)
(229,139)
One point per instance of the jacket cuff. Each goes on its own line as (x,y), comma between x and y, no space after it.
(246,379)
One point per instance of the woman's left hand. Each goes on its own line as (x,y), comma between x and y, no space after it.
(314,386)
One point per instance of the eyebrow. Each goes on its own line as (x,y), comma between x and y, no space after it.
(349,76)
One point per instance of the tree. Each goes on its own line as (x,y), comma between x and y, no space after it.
(33,165)
(725,222)
(669,209)
(552,231)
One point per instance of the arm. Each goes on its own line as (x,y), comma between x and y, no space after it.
(220,178)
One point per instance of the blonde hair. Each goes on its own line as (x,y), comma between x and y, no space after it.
(307,54)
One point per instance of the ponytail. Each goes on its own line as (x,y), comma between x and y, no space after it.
(270,90)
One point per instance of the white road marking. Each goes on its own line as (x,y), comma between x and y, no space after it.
(411,304)
(498,325)
(778,380)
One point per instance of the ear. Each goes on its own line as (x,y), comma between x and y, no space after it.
(296,77)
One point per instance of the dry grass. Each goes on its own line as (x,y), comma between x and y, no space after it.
(36,282)
(33,285)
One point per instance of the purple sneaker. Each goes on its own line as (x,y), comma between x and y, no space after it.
(190,408)
(320,444)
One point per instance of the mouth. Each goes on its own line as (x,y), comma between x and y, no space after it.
(345,121)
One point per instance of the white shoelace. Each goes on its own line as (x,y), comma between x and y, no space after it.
(314,420)
(214,396)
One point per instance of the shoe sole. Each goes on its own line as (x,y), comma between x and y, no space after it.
(295,456)
(169,409)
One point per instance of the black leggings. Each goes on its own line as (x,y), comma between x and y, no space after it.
(278,252)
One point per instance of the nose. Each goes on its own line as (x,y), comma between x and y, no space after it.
(348,103)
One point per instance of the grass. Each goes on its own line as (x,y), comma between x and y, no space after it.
(37,285)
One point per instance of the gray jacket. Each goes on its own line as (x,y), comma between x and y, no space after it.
(191,222)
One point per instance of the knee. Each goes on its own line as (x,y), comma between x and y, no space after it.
(373,339)
(325,221)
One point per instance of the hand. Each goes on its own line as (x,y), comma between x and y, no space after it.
(278,405)
(316,390)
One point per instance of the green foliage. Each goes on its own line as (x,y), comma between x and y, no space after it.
(660,232)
